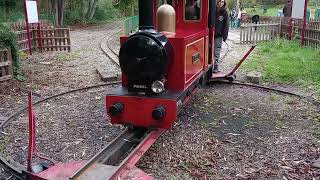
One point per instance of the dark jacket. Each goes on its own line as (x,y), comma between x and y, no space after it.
(222,23)
(287,10)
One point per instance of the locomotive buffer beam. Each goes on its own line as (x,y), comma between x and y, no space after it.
(111,162)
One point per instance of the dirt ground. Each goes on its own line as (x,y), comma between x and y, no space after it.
(234,132)
(227,132)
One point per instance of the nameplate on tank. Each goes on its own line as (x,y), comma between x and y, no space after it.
(195,58)
(140,86)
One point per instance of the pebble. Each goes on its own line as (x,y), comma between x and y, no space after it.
(254,77)
(3,118)
(45,63)
(316,164)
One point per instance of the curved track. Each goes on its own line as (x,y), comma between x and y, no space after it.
(112,55)
(266,88)
(106,48)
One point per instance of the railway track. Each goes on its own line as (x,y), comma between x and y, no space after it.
(19,172)
(112,163)
(117,160)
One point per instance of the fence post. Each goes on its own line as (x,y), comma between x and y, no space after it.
(304,22)
(279,28)
(39,38)
(290,29)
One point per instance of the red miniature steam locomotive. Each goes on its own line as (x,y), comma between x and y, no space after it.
(163,66)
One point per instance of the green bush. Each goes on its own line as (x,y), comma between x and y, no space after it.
(127,6)
(106,11)
(11,15)
(8,40)
(73,13)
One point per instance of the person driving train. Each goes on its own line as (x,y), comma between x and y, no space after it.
(192,10)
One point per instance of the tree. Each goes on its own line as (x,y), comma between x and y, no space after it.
(88,8)
(56,7)
(7,4)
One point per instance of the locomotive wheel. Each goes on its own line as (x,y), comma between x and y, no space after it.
(202,81)
(231,78)
(130,127)
(206,78)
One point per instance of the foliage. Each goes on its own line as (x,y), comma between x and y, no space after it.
(73,12)
(271,11)
(8,40)
(231,4)
(106,11)
(9,3)
(128,7)
(283,61)
(265,2)
(10,14)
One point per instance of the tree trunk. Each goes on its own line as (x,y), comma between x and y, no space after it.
(61,12)
(56,12)
(84,8)
(52,6)
(93,9)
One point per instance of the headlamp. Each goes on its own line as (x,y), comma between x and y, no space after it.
(157,87)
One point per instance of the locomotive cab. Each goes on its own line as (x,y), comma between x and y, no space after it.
(163,65)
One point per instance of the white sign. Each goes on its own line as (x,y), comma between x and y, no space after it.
(298,9)
(32,11)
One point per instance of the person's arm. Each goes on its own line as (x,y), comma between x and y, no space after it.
(226,28)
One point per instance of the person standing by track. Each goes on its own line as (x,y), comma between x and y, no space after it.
(221,31)
(287,9)
(233,18)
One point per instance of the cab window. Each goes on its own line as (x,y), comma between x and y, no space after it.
(192,11)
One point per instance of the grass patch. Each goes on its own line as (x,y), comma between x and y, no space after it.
(63,57)
(271,11)
(282,61)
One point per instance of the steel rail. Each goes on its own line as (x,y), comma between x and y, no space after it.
(110,49)
(124,168)
(2,125)
(112,153)
(13,170)
(309,98)
(108,42)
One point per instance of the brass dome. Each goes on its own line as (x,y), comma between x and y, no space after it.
(166,18)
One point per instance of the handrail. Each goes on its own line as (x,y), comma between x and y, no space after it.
(260,25)
(131,24)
